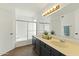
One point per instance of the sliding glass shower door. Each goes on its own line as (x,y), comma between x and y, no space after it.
(31,30)
(25,30)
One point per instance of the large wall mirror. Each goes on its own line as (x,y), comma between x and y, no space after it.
(65,23)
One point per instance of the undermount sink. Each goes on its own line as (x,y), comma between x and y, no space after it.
(56,42)
(59,43)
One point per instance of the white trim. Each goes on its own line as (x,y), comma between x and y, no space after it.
(23,43)
(2,53)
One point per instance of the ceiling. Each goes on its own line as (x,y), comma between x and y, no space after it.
(30,6)
(31,9)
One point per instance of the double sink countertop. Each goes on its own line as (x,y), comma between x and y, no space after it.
(68,47)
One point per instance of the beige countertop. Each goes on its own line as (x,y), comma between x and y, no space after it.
(68,47)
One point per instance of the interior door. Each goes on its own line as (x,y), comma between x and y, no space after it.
(7,35)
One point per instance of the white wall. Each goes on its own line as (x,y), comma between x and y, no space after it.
(7,26)
(23,12)
(77,23)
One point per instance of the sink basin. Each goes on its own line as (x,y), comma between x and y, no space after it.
(59,43)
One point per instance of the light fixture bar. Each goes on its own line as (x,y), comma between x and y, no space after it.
(52,10)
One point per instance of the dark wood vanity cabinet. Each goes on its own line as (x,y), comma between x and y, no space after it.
(54,52)
(44,52)
(36,45)
(43,49)
(33,42)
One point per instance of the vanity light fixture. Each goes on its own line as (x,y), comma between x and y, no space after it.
(52,10)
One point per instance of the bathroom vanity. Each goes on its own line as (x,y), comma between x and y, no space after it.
(54,47)
(44,49)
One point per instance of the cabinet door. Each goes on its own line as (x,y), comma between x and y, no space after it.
(54,52)
(44,52)
(38,46)
(33,40)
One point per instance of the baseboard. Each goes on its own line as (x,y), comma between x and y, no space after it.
(5,52)
(23,43)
